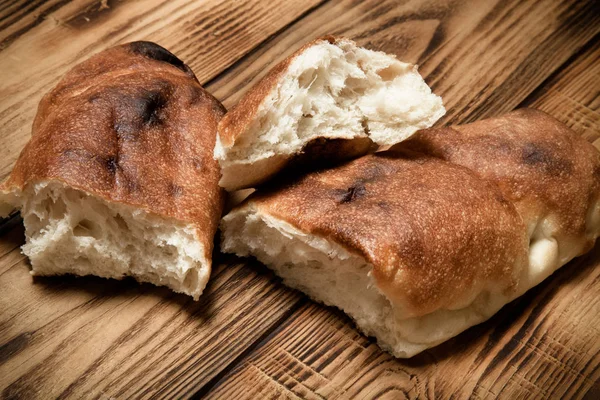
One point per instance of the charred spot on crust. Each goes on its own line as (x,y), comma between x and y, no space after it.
(139,111)
(112,164)
(352,193)
(159,53)
(156,52)
(149,107)
(537,156)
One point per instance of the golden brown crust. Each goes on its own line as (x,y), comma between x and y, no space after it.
(238,118)
(542,166)
(131,125)
(435,233)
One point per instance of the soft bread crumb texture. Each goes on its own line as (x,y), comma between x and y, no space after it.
(328,90)
(325,233)
(329,274)
(118,177)
(71,232)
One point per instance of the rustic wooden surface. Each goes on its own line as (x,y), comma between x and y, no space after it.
(250,337)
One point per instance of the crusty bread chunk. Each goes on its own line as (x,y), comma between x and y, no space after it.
(550,173)
(118,178)
(330,89)
(417,249)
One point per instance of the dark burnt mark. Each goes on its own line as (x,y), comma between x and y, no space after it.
(112,165)
(82,156)
(139,111)
(127,181)
(175,190)
(352,193)
(159,53)
(149,107)
(536,156)
(94,98)
(499,197)
(14,346)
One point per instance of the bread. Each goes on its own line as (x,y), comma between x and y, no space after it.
(118,178)
(550,173)
(417,249)
(330,89)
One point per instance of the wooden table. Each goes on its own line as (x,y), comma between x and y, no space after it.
(249,336)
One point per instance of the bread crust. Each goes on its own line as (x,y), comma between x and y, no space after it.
(436,234)
(548,171)
(130,125)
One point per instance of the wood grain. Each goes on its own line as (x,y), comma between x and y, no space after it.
(41,40)
(543,345)
(70,337)
(467,51)
(95,338)
(573,94)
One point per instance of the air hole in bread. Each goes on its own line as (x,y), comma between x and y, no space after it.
(46,206)
(389,73)
(191,279)
(71,232)
(306,79)
(121,222)
(83,262)
(347,91)
(85,227)
(59,209)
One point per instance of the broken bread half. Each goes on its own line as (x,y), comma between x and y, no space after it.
(118,178)
(329,90)
(416,248)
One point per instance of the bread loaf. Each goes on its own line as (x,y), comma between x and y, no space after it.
(331,100)
(118,178)
(421,242)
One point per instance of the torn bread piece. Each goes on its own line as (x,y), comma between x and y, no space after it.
(118,178)
(330,89)
(549,172)
(417,249)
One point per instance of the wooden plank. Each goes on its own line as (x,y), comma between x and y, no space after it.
(483,57)
(41,40)
(54,339)
(163,344)
(543,345)
(73,337)
(572,95)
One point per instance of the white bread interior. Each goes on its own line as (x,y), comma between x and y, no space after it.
(332,91)
(330,274)
(69,231)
